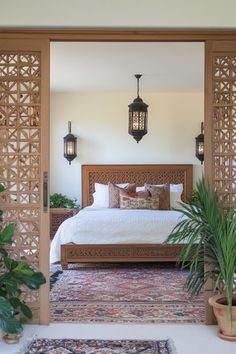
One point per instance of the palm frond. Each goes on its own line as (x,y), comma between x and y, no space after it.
(209,237)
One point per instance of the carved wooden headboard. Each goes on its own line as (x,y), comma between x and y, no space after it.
(138,174)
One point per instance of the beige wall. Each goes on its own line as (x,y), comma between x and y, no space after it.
(100,120)
(119,13)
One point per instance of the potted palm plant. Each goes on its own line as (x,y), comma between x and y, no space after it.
(14,274)
(209,234)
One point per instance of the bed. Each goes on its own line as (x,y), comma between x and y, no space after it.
(127,251)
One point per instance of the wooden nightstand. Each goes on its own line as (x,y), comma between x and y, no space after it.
(57,216)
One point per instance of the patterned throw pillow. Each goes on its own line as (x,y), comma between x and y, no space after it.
(138,200)
(162,192)
(114,193)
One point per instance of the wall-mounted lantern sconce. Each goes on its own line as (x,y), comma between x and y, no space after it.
(200,145)
(70,145)
(138,114)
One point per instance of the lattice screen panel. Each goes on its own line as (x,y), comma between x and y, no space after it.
(224,128)
(20,81)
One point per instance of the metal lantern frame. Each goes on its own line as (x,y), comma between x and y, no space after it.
(70,145)
(138,115)
(200,145)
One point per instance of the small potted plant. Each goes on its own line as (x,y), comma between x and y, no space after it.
(209,234)
(61,208)
(58,200)
(13,310)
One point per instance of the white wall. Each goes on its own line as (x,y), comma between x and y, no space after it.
(100,120)
(119,13)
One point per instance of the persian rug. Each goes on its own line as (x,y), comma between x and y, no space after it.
(124,293)
(82,346)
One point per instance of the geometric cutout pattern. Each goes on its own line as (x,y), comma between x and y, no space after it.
(20,99)
(224,128)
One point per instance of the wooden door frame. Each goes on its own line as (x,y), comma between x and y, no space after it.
(122,35)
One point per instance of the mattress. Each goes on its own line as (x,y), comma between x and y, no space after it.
(114,226)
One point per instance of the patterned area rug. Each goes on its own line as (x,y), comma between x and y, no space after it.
(74,346)
(131,293)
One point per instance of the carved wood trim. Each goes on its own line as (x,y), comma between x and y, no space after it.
(75,34)
(139,174)
(71,253)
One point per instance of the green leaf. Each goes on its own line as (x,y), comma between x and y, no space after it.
(34,281)
(2,188)
(6,308)
(4,252)
(15,302)
(26,310)
(10,325)
(10,263)
(23,269)
(7,234)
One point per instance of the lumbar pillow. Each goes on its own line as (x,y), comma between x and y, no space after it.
(162,192)
(114,193)
(138,200)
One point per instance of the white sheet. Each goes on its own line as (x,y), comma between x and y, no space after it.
(112,226)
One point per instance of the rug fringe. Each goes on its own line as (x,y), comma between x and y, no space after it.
(26,344)
(171,346)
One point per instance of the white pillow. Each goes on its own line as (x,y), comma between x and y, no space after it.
(175,199)
(140,189)
(101,195)
(176,187)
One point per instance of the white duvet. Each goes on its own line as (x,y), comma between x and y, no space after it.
(110,226)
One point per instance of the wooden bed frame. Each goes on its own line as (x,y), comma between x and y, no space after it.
(139,174)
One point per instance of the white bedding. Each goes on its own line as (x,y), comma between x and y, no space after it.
(112,226)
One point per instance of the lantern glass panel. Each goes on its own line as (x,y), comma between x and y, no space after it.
(200,148)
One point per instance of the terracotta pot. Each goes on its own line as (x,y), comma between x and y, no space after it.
(227,328)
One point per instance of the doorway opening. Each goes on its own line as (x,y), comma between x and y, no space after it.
(92,84)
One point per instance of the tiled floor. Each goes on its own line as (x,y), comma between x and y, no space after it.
(188,339)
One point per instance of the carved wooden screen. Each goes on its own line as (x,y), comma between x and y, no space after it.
(24,156)
(220,122)
(220,129)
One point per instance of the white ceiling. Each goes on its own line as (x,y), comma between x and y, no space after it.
(111,66)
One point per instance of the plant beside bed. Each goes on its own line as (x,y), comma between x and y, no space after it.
(209,235)
(58,200)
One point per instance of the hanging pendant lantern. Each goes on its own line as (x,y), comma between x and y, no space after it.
(138,115)
(200,145)
(70,145)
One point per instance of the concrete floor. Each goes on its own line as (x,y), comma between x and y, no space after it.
(188,338)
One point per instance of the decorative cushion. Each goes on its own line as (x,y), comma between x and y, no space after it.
(176,191)
(162,192)
(138,200)
(101,195)
(114,193)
